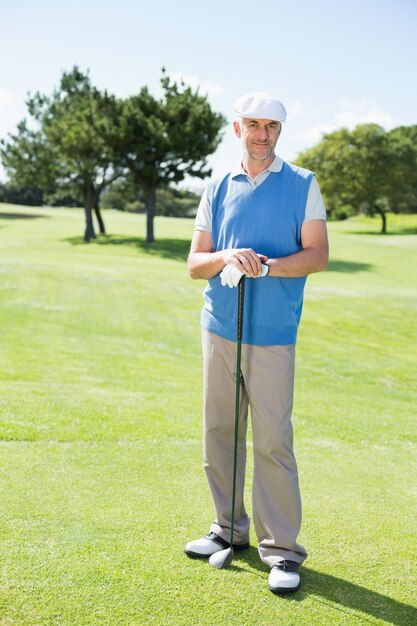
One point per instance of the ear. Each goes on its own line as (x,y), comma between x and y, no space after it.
(237,129)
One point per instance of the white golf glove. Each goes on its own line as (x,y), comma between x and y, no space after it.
(230,276)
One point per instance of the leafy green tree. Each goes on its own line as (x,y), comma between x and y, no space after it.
(76,147)
(371,180)
(331,159)
(82,123)
(403,143)
(84,140)
(363,170)
(29,160)
(168,139)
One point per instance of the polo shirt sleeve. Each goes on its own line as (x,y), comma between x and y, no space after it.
(203,217)
(315,209)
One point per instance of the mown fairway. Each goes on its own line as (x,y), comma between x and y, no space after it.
(101,480)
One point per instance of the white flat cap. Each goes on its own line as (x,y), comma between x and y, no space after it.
(260,105)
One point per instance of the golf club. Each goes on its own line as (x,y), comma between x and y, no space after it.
(223,558)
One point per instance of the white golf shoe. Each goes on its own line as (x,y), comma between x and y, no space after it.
(284,577)
(206,546)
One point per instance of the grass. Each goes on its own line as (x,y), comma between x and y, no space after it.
(101,483)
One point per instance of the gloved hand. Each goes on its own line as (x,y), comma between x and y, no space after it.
(230,276)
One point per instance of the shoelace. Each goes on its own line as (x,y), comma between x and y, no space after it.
(287,565)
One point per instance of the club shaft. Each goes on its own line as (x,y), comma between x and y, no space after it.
(240,303)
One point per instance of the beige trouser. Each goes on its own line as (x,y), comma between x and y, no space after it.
(267,384)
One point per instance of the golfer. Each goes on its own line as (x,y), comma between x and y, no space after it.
(266,220)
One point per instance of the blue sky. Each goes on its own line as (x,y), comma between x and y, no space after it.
(333,63)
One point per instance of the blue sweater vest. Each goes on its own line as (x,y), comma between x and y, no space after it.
(268,219)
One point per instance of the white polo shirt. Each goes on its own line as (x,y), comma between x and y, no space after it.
(315,209)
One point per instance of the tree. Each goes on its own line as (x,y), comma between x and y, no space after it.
(78,139)
(403,143)
(362,170)
(168,139)
(29,160)
(83,123)
(374,161)
(331,159)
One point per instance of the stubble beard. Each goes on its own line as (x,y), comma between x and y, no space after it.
(260,157)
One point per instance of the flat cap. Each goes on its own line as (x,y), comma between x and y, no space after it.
(260,105)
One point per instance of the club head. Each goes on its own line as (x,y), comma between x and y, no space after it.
(222,559)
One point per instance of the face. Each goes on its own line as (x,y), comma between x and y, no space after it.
(259,137)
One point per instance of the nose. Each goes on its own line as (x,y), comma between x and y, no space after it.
(263,134)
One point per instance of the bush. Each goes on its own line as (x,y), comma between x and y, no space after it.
(30,196)
(170,202)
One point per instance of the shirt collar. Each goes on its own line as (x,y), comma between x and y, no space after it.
(276,166)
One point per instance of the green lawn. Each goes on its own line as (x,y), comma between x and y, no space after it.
(101,480)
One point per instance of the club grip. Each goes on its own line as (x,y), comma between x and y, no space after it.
(240,301)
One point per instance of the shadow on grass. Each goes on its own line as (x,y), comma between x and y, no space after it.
(176,249)
(348,266)
(406,230)
(339,594)
(21,216)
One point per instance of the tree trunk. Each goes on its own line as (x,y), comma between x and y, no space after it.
(100,221)
(384,221)
(150,204)
(89,233)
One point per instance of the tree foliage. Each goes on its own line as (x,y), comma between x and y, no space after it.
(80,140)
(81,124)
(403,141)
(74,149)
(168,139)
(366,170)
(29,159)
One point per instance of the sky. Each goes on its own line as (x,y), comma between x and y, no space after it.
(332,63)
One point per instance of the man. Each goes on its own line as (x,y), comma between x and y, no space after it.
(265,219)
